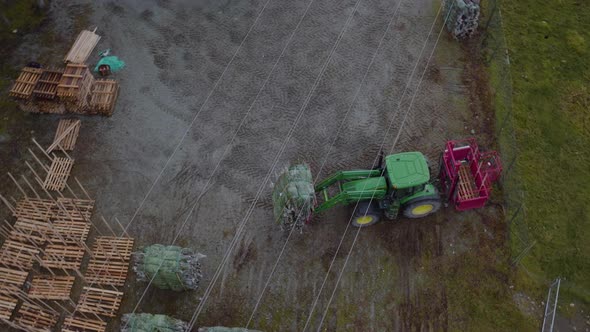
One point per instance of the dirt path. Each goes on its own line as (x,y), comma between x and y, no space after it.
(174,52)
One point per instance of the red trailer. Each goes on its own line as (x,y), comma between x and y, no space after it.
(466,173)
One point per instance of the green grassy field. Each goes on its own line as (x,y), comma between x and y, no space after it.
(549,47)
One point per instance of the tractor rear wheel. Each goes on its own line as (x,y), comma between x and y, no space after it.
(421,207)
(366,214)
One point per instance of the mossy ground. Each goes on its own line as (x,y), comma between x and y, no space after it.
(549,48)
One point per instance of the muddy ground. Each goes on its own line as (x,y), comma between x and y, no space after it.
(175,51)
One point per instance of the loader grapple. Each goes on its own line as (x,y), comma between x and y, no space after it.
(467,174)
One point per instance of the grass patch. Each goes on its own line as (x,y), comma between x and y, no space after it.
(549,47)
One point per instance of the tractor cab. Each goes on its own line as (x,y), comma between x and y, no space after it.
(407,170)
(410,190)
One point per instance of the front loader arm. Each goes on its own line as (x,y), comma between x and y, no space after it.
(346,176)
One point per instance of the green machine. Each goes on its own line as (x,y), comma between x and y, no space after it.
(400,184)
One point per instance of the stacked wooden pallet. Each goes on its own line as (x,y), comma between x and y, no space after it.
(46,86)
(32,317)
(57,288)
(103,97)
(77,323)
(74,87)
(98,301)
(62,257)
(71,90)
(110,261)
(34,208)
(71,209)
(18,254)
(25,83)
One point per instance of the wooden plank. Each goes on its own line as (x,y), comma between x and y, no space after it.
(25,83)
(7,305)
(34,209)
(58,175)
(103,272)
(18,254)
(82,324)
(59,256)
(66,135)
(11,281)
(113,248)
(33,318)
(51,287)
(100,301)
(82,47)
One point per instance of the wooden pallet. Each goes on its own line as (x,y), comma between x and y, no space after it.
(11,281)
(113,248)
(59,256)
(100,301)
(68,232)
(70,209)
(82,47)
(75,83)
(467,187)
(82,324)
(30,231)
(51,287)
(104,272)
(7,305)
(66,135)
(103,97)
(46,86)
(18,254)
(26,81)
(58,175)
(34,209)
(33,318)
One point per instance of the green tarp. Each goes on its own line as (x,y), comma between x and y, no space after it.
(112,61)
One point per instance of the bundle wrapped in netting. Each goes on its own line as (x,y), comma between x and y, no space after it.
(151,323)
(463,17)
(225,329)
(175,268)
(293,197)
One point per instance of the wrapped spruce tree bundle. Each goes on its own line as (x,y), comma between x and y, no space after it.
(151,323)
(293,197)
(174,268)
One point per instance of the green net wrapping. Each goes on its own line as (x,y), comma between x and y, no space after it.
(293,196)
(152,323)
(174,268)
(112,61)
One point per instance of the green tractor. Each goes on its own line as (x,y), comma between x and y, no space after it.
(401,184)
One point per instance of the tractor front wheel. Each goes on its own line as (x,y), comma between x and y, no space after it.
(421,207)
(366,214)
